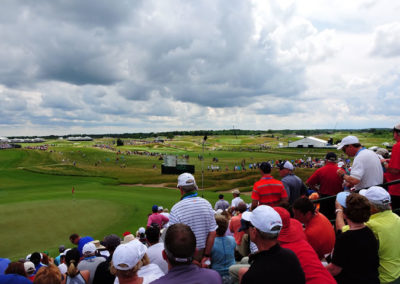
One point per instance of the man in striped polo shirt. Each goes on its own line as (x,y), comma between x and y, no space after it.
(268,191)
(198,214)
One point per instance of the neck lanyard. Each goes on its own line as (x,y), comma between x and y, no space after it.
(189,195)
(363,148)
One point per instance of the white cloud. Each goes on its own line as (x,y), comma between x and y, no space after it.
(152,66)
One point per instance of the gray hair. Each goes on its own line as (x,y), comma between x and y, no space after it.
(188,188)
(268,236)
(381,207)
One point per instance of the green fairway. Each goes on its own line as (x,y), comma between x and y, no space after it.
(38,210)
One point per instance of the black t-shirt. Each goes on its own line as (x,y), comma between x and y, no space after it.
(276,265)
(103,274)
(356,252)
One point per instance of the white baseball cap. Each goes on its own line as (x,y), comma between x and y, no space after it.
(287,165)
(246,215)
(29,267)
(266,219)
(142,230)
(89,248)
(341,198)
(126,256)
(348,140)
(376,195)
(186,179)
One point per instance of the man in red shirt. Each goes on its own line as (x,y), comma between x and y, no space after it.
(292,237)
(393,169)
(268,191)
(329,184)
(319,231)
(157,218)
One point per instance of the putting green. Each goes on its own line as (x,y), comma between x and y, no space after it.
(41,225)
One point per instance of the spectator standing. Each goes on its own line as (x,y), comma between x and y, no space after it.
(63,266)
(366,170)
(155,248)
(80,241)
(221,203)
(61,249)
(180,246)
(223,251)
(327,183)
(127,260)
(319,231)
(272,262)
(393,169)
(293,184)
(355,257)
(197,213)
(30,270)
(36,259)
(157,218)
(74,276)
(236,199)
(90,261)
(268,191)
(103,274)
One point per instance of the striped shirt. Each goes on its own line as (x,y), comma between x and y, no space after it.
(268,191)
(197,213)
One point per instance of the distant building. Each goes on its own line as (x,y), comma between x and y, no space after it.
(4,139)
(27,140)
(80,138)
(310,142)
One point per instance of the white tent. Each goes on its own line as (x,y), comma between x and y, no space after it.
(309,142)
(3,139)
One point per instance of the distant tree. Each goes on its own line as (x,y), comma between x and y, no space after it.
(170,135)
(120,142)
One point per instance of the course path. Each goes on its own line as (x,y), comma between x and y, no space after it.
(159,185)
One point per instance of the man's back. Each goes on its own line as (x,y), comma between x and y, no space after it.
(276,265)
(327,178)
(154,253)
(294,187)
(197,213)
(90,264)
(190,274)
(158,219)
(221,204)
(268,191)
(386,228)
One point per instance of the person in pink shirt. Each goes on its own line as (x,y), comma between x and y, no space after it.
(157,218)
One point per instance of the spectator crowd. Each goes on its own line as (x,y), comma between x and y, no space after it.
(348,234)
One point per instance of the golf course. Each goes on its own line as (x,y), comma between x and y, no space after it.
(97,188)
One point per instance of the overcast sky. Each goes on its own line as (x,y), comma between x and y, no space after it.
(100,66)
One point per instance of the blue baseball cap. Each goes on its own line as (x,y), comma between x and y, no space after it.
(341,198)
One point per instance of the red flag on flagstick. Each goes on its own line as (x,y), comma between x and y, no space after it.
(73,190)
